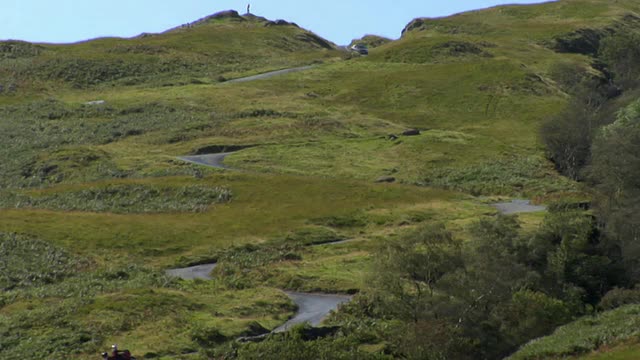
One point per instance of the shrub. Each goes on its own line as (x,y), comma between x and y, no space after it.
(617,297)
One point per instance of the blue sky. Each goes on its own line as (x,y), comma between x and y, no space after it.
(337,20)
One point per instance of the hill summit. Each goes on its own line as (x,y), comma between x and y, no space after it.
(221,45)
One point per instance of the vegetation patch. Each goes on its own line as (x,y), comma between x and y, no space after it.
(28,262)
(521,175)
(426,51)
(18,49)
(129,198)
(585,335)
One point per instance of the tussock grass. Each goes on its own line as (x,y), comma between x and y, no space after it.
(127,198)
(28,262)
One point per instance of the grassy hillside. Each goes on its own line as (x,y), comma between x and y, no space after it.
(206,51)
(477,85)
(611,332)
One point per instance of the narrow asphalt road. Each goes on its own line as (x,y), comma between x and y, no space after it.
(518,207)
(211,160)
(216,160)
(312,308)
(268,75)
(193,272)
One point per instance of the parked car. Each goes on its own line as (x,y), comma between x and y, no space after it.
(360,49)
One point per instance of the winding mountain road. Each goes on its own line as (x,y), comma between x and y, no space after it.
(312,308)
(268,75)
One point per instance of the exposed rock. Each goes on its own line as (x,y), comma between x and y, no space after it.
(144,35)
(255,18)
(413,25)
(587,41)
(582,41)
(222,15)
(96,102)
(386,179)
(411,132)
(280,23)
(392,137)
(312,95)
(227,14)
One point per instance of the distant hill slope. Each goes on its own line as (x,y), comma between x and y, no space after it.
(489,76)
(221,44)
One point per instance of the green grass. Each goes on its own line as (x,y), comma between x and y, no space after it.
(126,198)
(27,262)
(263,206)
(104,188)
(197,54)
(585,335)
(621,352)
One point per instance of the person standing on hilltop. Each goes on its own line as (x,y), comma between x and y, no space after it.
(249,8)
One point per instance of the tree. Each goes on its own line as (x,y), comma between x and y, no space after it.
(408,270)
(615,172)
(532,314)
(407,277)
(622,53)
(568,136)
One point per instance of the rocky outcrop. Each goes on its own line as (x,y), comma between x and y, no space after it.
(581,41)
(280,23)
(415,24)
(227,14)
(371,41)
(587,41)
